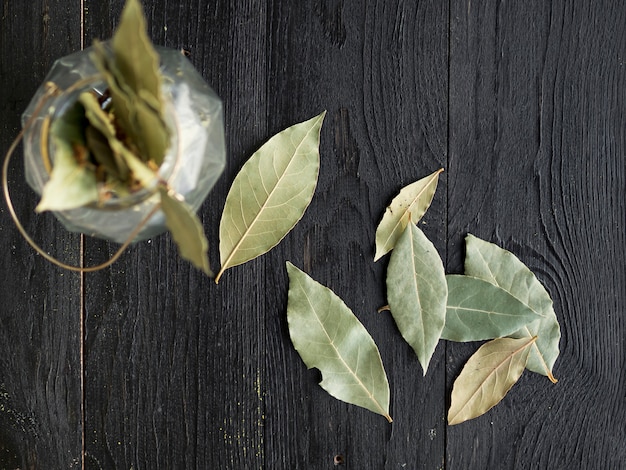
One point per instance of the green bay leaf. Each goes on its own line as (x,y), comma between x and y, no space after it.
(330,338)
(97,117)
(270,193)
(410,204)
(72,181)
(135,57)
(100,134)
(487,377)
(136,70)
(140,171)
(124,159)
(121,95)
(131,71)
(99,147)
(186,231)
(479,310)
(417,292)
(502,268)
(148,122)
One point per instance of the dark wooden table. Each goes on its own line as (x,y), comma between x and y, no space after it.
(150,365)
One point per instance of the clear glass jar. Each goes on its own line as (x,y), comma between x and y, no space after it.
(193,163)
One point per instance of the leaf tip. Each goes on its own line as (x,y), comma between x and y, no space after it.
(457,418)
(208,271)
(291,268)
(389,418)
(318,120)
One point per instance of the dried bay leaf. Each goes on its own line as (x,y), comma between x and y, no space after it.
(417,292)
(132,73)
(410,204)
(120,93)
(71,185)
(137,69)
(479,310)
(135,57)
(502,268)
(140,171)
(97,117)
(330,338)
(186,231)
(100,120)
(72,181)
(148,121)
(487,377)
(125,160)
(270,193)
(99,146)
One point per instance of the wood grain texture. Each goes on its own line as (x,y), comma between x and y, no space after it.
(314,65)
(522,103)
(40,392)
(537,166)
(175,362)
(249,392)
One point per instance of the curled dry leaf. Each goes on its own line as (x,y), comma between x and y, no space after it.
(330,338)
(503,269)
(410,204)
(487,377)
(417,292)
(270,193)
(478,310)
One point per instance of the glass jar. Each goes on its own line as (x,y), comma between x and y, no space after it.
(193,163)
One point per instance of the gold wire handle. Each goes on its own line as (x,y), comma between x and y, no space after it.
(51,90)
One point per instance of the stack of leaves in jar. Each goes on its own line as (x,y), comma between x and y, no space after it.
(498,299)
(112,145)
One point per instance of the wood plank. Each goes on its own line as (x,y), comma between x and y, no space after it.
(537,165)
(372,67)
(40,388)
(183,373)
(174,361)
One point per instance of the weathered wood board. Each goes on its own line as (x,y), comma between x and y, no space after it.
(150,365)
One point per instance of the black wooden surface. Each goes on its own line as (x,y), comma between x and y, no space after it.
(148,365)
